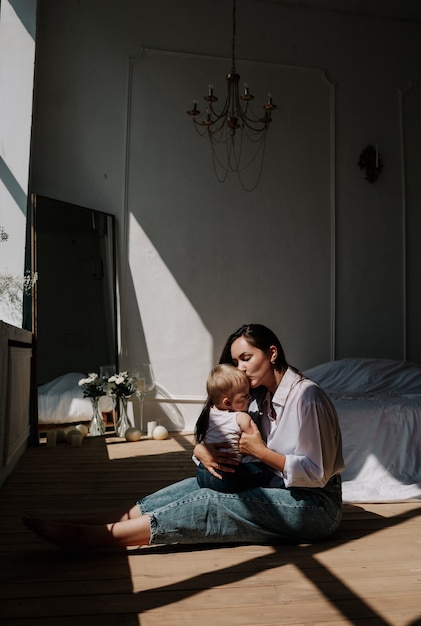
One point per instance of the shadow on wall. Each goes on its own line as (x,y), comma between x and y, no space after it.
(26,16)
(12,186)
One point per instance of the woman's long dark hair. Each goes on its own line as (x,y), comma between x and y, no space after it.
(260,337)
(203,422)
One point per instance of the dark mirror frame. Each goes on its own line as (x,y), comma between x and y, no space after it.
(73,302)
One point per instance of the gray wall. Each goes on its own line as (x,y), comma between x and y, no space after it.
(328,260)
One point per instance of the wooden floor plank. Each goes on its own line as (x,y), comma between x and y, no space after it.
(369,574)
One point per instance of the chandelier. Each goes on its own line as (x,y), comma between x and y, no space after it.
(237,136)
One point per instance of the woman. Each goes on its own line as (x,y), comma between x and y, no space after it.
(303,502)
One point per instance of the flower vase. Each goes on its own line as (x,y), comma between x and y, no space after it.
(97,426)
(123,422)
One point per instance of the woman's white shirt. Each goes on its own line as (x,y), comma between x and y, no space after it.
(305,429)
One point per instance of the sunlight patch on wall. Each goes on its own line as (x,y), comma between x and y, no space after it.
(179,346)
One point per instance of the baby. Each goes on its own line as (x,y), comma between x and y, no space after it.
(223,420)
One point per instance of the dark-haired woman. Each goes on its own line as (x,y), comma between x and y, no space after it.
(296,434)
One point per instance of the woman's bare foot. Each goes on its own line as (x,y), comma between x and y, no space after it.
(70,537)
(74,537)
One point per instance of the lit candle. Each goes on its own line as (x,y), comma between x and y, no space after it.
(151,427)
(246,89)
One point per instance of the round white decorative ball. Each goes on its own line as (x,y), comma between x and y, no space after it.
(133,434)
(159,432)
(70,433)
(84,430)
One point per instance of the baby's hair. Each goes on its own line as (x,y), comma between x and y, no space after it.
(223,380)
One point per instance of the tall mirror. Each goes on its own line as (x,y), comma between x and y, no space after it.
(74,305)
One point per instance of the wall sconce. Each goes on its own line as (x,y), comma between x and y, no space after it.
(371,162)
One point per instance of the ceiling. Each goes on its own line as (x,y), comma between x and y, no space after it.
(396,9)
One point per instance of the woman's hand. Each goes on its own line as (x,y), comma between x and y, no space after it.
(213,458)
(252,443)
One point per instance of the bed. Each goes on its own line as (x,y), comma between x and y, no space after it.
(378,402)
(61,401)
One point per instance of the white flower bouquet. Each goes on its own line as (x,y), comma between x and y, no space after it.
(92,386)
(122,385)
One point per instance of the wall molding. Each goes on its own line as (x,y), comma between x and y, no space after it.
(140,55)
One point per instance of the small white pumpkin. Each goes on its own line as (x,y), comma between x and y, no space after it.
(84,430)
(159,433)
(70,433)
(133,434)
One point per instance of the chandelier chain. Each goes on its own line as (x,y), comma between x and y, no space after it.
(234,32)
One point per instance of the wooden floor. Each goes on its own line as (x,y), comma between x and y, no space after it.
(368,575)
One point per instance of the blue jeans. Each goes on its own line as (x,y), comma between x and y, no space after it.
(185,513)
(246,476)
